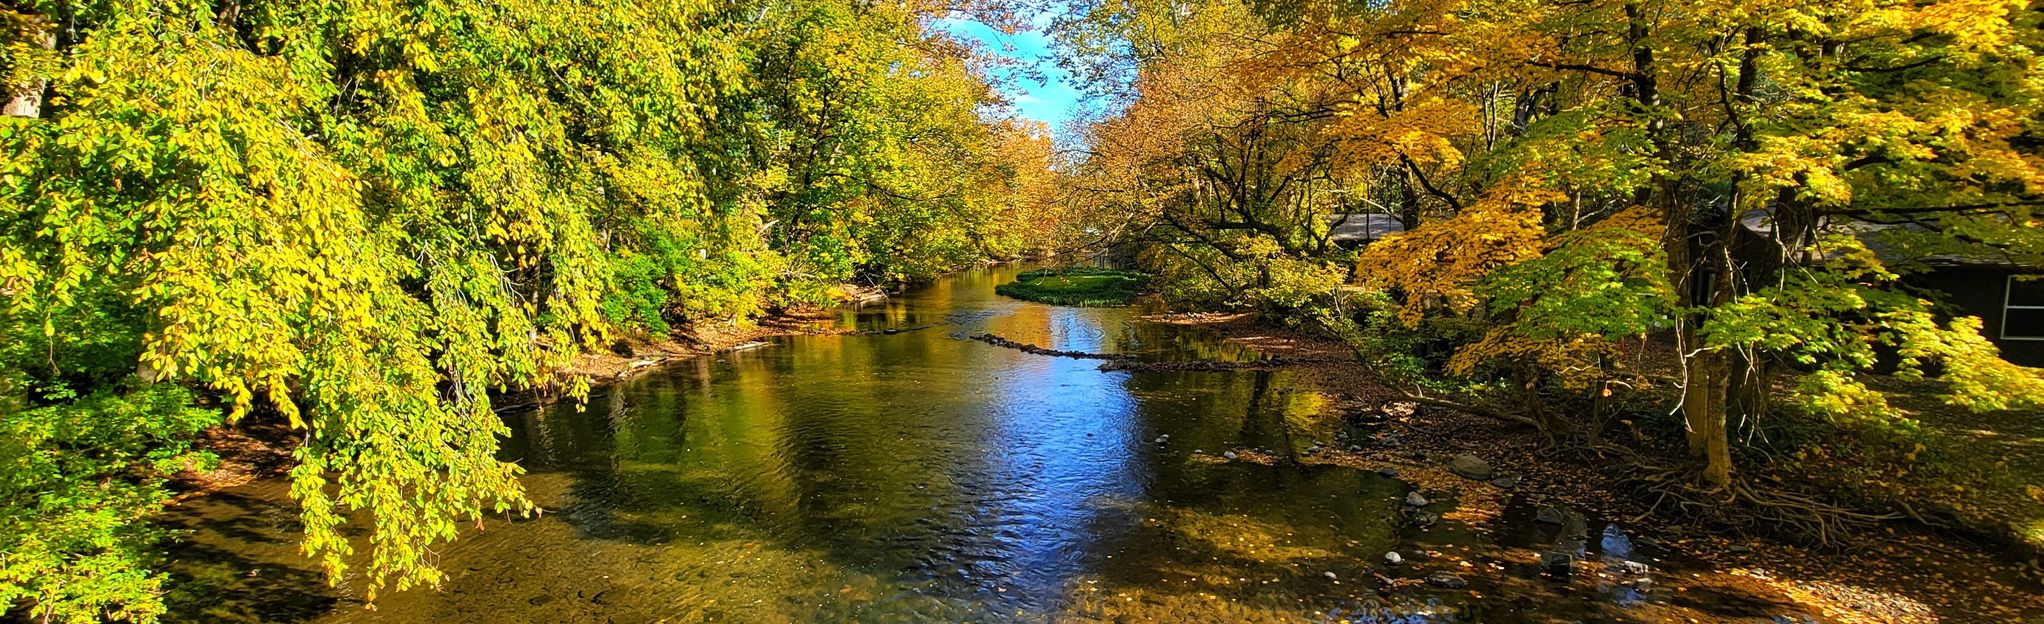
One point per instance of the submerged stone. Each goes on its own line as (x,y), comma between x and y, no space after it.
(1557,563)
(1416,499)
(1446,580)
(1425,519)
(1550,515)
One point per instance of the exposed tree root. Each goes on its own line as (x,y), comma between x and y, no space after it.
(1469,408)
(1742,504)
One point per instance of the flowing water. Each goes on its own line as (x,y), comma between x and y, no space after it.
(914,476)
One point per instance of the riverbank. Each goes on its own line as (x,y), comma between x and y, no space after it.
(1899,572)
(261,445)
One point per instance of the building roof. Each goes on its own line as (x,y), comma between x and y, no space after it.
(1890,242)
(1361,227)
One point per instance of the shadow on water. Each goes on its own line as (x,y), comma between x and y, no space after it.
(235,564)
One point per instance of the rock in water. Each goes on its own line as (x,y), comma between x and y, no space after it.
(1416,500)
(1393,558)
(1230,455)
(1446,580)
(1550,515)
(1505,483)
(1470,467)
(1425,519)
(1557,563)
(1388,473)
(1330,575)
(1615,544)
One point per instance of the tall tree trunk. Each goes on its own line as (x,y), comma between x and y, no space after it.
(1704,407)
(1705,372)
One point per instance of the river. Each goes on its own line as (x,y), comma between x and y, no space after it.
(914,476)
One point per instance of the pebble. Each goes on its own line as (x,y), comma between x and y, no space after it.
(1330,575)
(1416,499)
(1505,483)
(1393,558)
(1388,473)
(1230,455)
(1163,438)
(1446,580)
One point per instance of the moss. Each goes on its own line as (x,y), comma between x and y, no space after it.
(1077,286)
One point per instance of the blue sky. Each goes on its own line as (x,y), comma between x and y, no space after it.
(1047,96)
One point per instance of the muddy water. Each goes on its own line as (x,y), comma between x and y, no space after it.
(915,476)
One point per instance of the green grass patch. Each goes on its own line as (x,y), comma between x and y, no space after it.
(1077,286)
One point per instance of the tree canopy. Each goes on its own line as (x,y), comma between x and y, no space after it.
(1751,185)
(369,218)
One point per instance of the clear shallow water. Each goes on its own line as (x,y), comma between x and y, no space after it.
(924,477)
(914,476)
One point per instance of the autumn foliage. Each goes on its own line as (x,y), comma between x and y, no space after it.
(1747,188)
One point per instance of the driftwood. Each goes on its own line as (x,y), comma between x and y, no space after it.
(1132,362)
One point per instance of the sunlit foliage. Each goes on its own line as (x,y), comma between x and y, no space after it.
(366,219)
(1570,175)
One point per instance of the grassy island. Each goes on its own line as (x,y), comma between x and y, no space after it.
(1077,286)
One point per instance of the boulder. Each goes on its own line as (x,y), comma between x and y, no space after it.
(1470,467)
